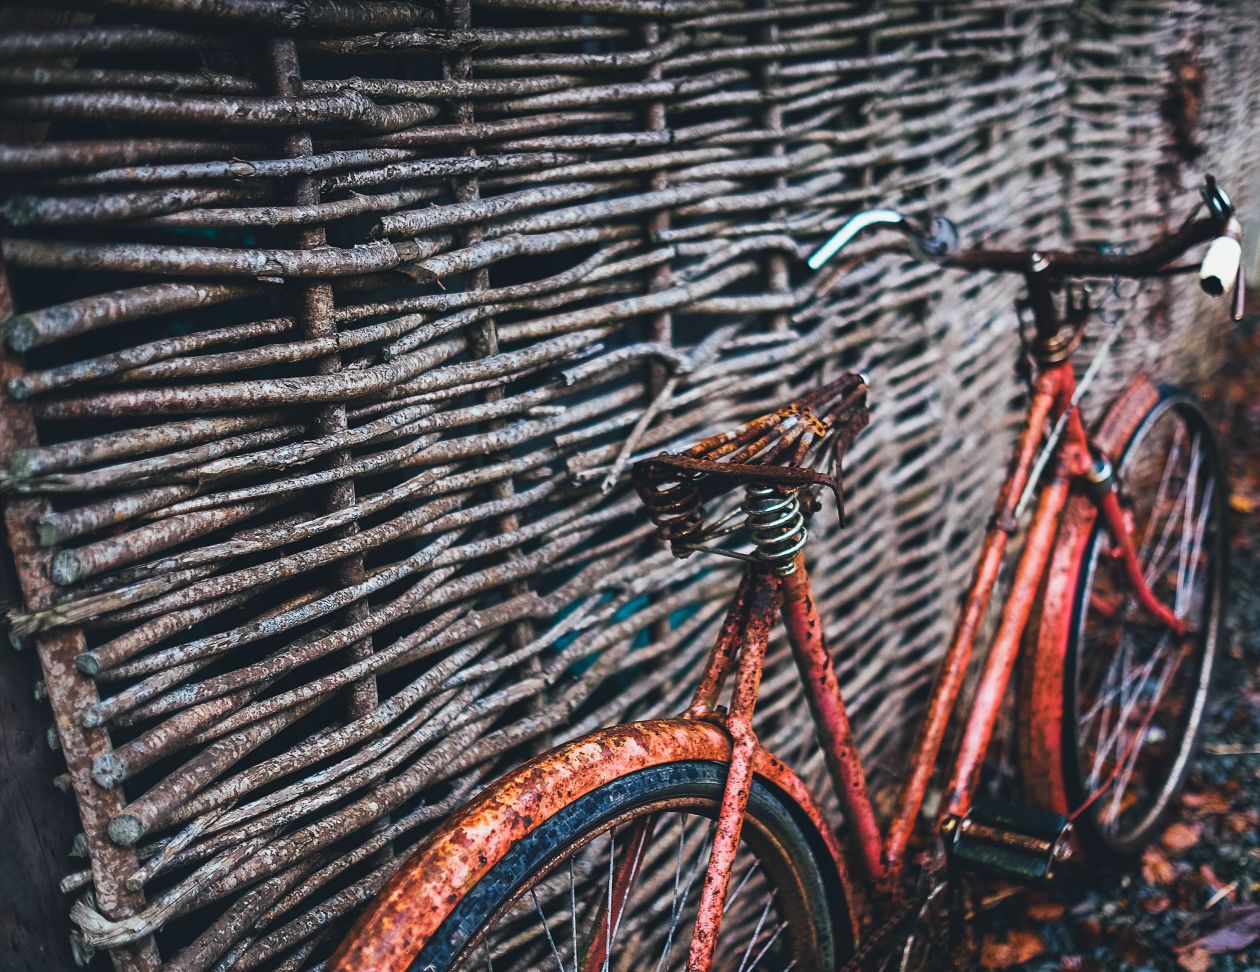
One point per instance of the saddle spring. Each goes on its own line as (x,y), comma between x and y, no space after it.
(776,525)
(677,509)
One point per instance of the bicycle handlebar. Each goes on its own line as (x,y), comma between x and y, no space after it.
(1084,263)
(1222,264)
(1221,267)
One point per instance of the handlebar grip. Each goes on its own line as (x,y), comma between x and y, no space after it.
(1219,270)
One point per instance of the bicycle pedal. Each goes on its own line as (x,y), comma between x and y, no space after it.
(1016,843)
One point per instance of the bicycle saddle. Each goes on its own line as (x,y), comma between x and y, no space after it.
(776,451)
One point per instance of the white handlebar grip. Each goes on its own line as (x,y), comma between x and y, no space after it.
(1220,265)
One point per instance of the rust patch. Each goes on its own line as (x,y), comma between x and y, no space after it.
(1182,104)
(419,896)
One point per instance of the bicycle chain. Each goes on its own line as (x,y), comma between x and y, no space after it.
(877,937)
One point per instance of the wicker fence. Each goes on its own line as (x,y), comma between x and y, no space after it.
(335,324)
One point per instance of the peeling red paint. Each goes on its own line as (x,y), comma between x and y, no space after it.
(831,719)
(1040,722)
(418,898)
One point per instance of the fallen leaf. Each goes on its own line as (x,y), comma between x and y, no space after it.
(1206,803)
(1241,503)
(1209,877)
(1240,927)
(1195,960)
(1180,836)
(1026,945)
(1046,910)
(1134,955)
(1157,906)
(1092,927)
(1243,821)
(1156,868)
(993,953)
(1017,948)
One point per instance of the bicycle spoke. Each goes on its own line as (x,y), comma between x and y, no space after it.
(572,910)
(1155,567)
(636,850)
(1159,565)
(1170,463)
(1135,747)
(676,917)
(765,913)
(1104,692)
(1196,552)
(1183,545)
(765,948)
(730,898)
(533,893)
(1113,683)
(608,902)
(1129,690)
(674,904)
(1109,735)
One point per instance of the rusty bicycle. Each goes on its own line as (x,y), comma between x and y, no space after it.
(683,843)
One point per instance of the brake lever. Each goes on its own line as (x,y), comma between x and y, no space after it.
(1217,199)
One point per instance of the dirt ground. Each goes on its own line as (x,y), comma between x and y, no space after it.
(1193,901)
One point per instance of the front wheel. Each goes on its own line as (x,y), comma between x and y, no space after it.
(1114,701)
(521,878)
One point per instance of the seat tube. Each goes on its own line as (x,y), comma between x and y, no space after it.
(831,717)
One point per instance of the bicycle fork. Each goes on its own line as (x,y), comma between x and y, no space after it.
(1101,485)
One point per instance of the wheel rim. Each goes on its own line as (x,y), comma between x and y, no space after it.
(558,914)
(1139,688)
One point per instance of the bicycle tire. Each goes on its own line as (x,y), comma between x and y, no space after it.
(1061,768)
(410,926)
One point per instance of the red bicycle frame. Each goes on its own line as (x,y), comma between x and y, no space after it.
(746,631)
(881,858)
(1053,453)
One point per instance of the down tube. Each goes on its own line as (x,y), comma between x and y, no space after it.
(831,720)
(1001,660)
(1051,388)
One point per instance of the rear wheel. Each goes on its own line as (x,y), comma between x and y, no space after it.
(1133,693)
(540,901)
(546,900)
